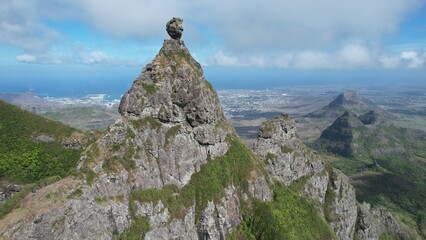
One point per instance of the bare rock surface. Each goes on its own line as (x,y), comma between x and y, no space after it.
(373,222)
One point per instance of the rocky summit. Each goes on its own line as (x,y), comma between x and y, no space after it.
(172,167)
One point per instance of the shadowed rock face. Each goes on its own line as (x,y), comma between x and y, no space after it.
(369,118)
(337,138)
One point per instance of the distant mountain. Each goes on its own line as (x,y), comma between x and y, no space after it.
(313,124)
(347,101)
(387,164)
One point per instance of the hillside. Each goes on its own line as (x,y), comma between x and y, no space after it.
(172,167)
(33,147)
(34,151)
(387,164)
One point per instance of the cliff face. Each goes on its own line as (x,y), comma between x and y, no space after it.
(292,163)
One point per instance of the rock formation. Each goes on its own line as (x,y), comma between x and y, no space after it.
(290,161)
(174,28)
(372,223)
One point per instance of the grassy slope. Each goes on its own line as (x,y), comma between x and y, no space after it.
(24,160)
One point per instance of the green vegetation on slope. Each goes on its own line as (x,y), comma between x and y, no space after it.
(140,226)
(288,216)
(207,184)
(23,159)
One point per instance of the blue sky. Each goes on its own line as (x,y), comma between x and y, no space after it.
(81,44)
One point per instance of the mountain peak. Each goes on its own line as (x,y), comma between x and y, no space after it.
(172,88)
(349,97)
(347,101)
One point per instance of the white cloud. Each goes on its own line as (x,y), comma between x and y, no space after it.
(350,56)
(140,18)
(404,59)
(313,59)
(254,25)
(355,55)
(412,59)
(287,24)
(94,57)
(390,61)
(280,33)
(26,58)
(21,25)
(43,58)
(222,59)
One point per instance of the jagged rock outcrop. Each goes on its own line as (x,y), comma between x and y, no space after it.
(373,222)
(290,161)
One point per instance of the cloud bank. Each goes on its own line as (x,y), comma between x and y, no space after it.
(280,33)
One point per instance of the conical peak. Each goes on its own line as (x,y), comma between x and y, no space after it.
(172,89)
(347,97)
